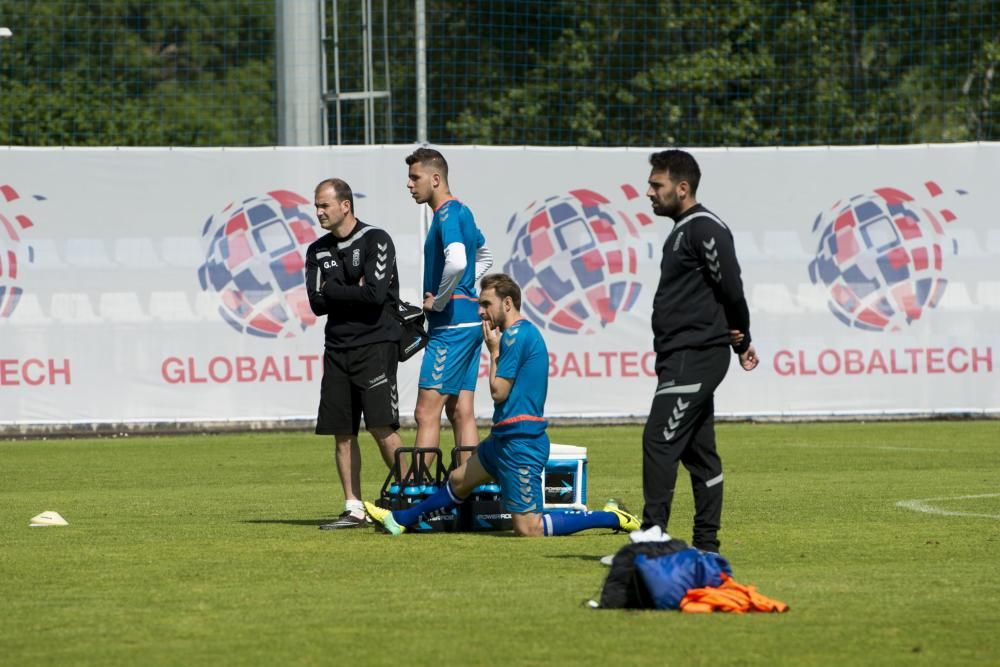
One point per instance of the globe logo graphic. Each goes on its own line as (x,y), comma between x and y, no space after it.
(881,256)
(576,259)
(254,262)
(16,254)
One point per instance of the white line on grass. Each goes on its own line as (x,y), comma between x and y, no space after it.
(925,506)
(890,448)
(847,445)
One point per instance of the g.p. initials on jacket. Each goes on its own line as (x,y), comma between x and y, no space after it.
(350,280)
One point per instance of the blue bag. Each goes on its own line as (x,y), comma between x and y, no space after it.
(668,578)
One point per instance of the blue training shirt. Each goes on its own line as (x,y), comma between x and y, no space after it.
(524,359)
(452,223)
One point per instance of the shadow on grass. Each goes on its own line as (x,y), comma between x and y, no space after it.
(292,522)
(592,559)
(502,534)
(320,522)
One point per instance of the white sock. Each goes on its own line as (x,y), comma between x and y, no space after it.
(355,507)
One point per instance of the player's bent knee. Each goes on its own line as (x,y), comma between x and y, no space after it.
(457,477)
(461,486)
(463,481)
(527,524)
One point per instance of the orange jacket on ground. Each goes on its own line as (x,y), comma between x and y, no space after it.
(731,596)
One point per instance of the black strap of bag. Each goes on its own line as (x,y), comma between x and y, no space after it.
(413,335)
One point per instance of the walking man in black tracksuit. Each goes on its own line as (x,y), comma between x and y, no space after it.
(699,313)
(350,274)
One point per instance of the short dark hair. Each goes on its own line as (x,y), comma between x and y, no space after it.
(429,158)
(681,166)
(341,189)
(503,285)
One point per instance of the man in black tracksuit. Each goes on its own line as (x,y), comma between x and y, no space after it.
(699,313)
(350,275)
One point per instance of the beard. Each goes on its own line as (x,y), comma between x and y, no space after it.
(667,210)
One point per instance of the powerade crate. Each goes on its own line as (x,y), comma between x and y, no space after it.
(421,480)
(564,481)
(483,510)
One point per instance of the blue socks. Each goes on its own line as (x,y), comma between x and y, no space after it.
(567,523)
(441,500)
(554,523)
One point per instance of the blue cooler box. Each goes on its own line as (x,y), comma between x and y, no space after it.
(564,481)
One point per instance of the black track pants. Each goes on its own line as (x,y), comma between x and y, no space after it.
(681,428)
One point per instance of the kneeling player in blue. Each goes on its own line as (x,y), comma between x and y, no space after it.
(517,448)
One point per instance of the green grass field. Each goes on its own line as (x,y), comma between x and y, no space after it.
(204,550)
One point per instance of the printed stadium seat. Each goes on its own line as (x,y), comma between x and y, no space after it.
(123,307)
(45,254)
(87,253)
(780,244)
(171,307)
(28,312)
(73,308)
(136,253)
(956,297)
(747,251)
(993,242)
(812,298)
(206,305)
(988,294)
(967,241)
(183,252)
(774,298)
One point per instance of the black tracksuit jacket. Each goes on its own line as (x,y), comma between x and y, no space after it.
(356,313)
(700,294)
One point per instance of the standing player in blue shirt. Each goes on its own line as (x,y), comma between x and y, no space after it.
(517,448)
(455,257)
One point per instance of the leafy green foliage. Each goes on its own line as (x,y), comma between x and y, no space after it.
(545,72)
(138,73)
(741,73)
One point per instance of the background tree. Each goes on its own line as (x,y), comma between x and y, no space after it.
(138,73)
(546,72)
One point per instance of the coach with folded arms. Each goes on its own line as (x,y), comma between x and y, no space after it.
(350,275)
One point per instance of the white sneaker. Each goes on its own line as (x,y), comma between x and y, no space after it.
(607,560)
(654,534)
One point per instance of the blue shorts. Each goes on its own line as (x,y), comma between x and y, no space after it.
(451,360)
(517,463)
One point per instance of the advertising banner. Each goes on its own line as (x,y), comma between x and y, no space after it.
(165,286)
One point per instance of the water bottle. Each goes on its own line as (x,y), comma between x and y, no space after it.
(492,491)
(412,494)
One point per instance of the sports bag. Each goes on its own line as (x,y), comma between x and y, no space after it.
(413,334)
(624,587)
(668,578)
